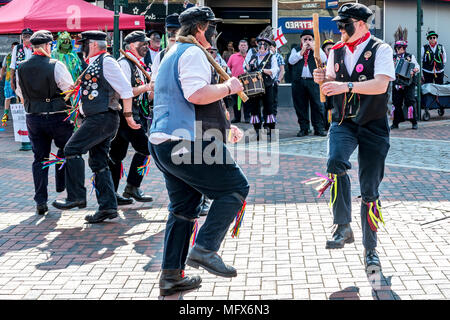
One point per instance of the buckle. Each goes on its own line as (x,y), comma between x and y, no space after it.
(47,100)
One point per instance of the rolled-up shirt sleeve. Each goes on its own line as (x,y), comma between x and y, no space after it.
(116,78)
(295,56)
(63,78)
(384,64)
(193,59)
(13,58)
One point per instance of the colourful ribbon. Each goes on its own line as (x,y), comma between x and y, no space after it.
(56,160)
(238,221)
(374,216)
(145,168)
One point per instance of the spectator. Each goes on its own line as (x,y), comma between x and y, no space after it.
(230,50)
(8,92)
(434,59)
(278,77)
(154,46)
(235,63)
(306,93)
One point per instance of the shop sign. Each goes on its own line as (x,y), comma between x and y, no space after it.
(297,25)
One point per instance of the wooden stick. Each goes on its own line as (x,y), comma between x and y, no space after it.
(137,65)
(219,69)
(317,50)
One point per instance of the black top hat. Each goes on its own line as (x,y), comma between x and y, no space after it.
(27,31)
(356,11)
(197,14)
(307,32)
(93,35)
(432,33)
(41,36)
(136,36)
(172,21)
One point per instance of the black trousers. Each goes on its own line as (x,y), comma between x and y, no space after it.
(275,98)
(119,147)
(233,99)
(93,136)
(402,100)
(267,102)
(431,78)
(372,140)
(306,94)
(42,130)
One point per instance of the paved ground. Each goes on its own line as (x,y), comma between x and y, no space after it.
(280,253)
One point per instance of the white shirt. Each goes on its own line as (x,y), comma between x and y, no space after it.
(153,54)
(116,78)
(296,57)
(273,63)
(444,57)
(127,70)
(63,78)
(194,72)
(384,64)
(28,54)
(155,65)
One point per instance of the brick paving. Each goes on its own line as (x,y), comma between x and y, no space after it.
(280,253)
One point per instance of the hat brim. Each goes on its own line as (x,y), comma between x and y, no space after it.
(341,18)
(433,34)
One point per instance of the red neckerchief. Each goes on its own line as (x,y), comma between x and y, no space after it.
(155,50)
(97,54)
(28,46)
(39,53)
(305,57)
(140,61)
(352,45)
(433,45)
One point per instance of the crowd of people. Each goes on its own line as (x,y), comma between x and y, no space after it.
(167,103)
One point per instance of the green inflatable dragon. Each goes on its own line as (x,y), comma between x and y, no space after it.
(64,53)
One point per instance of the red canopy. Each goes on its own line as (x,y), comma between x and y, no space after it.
(62,15)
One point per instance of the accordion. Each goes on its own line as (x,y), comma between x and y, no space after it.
(403,70)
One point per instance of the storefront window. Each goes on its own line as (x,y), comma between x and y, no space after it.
(296,16)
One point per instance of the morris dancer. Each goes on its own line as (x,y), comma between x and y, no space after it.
(187,109)
(358,73)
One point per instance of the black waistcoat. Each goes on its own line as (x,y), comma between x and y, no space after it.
(430,58)
(39,88)
(97,95)
(266,63)
(358,107)
(139,102)
(212,116)
(20,53)
(297,69)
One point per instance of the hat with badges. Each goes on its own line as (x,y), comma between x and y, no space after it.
(197,14)
(41,37)
(356,11)
(136,36)
(93,35)
(172,21)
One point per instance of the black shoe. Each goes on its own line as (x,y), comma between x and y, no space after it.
(206,204)
(371,261)
(302,133)
(210,261)
(41,209)
(121,201)
(341,236)
(394,126)
(174,281)
(415,126)
(66,204)
(235,121)
(320,133)
(101,215)
(136,193)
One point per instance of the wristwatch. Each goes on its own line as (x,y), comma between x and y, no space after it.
(350,87)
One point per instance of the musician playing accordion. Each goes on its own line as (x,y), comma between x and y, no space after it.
(403,99)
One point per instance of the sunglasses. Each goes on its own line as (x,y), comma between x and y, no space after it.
(433,37)
(307,39)
(341,25)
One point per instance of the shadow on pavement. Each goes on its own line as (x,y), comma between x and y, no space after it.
(32,233)
(89,243)
(381,287)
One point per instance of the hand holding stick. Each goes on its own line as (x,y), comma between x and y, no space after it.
(317,49)
(219,69)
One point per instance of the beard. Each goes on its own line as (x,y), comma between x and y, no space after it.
(142,50)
